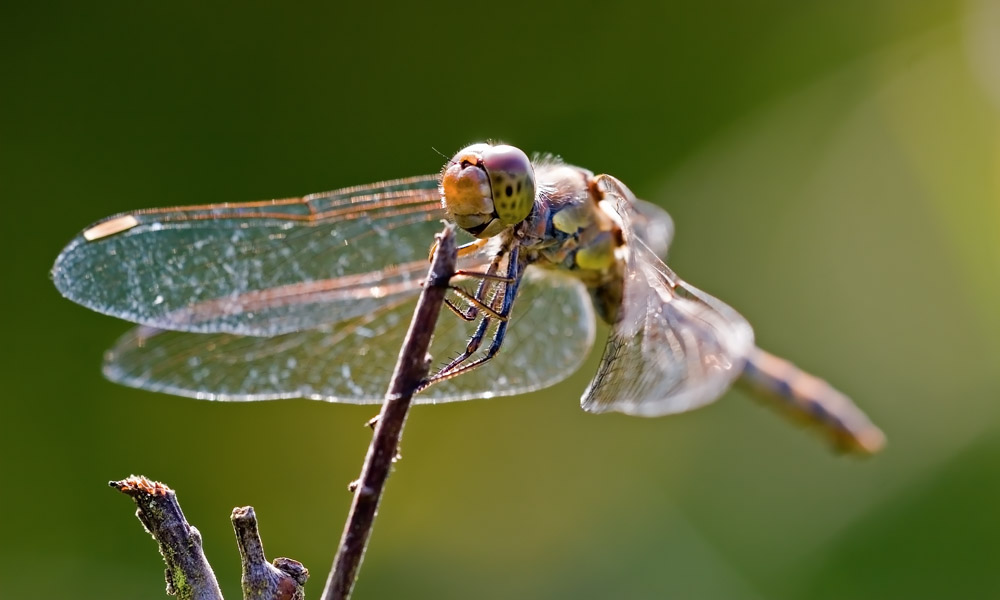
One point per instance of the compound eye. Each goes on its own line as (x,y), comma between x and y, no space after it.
(512,180)
(465,192)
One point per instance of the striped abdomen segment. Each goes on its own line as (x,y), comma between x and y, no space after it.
(812,401)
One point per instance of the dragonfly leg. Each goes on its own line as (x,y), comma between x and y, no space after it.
(479,275)
(460,364)
(475,341)
(463,250)
(470,348)
(462,314)
(487,281)
(476,305)
(464,367)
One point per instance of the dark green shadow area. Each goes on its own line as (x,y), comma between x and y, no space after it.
(928,541)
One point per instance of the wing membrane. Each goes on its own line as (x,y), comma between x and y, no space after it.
(256,268)
(673,347)
(652,225)
(351,360)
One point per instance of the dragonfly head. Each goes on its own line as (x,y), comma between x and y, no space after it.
(487,188)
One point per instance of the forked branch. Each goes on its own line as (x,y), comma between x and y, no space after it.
(189,576)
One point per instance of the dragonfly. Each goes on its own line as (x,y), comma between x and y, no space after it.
(309,297)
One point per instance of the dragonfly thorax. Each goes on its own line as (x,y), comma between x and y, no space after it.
(485,188)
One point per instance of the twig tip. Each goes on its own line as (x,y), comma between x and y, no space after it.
(136,484)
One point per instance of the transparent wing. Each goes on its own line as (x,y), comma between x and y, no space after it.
(651,224)
(673,347)
(256,268)
(551,332)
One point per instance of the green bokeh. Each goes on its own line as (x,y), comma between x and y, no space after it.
(834,172)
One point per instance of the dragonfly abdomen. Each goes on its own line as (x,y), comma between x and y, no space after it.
(812,401)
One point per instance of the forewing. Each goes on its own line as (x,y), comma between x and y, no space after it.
(351,360)
(673,347)
(256,268)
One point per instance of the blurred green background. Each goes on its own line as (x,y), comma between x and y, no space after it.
(834,173)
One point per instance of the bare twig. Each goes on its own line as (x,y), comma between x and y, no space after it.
(189,576)
(411,369)
(262,580)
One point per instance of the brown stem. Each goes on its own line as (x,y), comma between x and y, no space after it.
(262,580)
(411,369)
(189,576)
